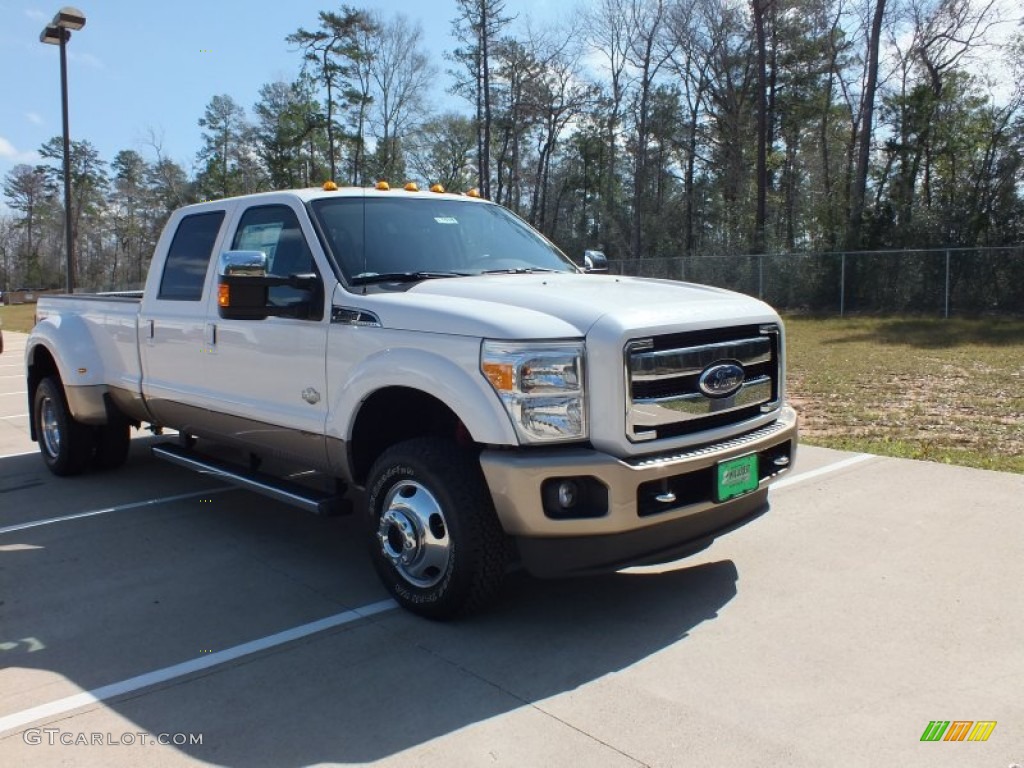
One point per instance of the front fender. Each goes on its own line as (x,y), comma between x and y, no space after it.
(467,394)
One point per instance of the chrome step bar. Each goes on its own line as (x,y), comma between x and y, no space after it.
(309,499)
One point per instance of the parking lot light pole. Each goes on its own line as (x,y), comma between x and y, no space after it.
(58,32)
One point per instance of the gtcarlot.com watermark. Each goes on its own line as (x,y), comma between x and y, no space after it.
(54,736)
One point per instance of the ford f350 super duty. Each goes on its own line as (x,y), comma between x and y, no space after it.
(487,402)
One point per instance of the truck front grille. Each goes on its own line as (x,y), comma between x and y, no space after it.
(683,383)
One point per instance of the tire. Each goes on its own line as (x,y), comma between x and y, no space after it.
(435,539)
(113,440)
(66,445)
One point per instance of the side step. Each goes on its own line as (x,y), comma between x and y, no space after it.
(297,495)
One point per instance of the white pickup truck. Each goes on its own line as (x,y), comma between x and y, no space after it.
(487,402)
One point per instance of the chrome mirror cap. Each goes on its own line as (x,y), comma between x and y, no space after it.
(595,261)
(242,263)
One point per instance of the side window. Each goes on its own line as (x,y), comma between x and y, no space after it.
(189,257)
(275,230)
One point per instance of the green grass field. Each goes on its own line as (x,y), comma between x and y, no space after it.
(18,317)
(942,390)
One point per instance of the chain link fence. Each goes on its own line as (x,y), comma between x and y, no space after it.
(938,281)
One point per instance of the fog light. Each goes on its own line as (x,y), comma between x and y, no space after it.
(572,498)
(568,494)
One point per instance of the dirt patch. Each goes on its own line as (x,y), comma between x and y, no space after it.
(962,403)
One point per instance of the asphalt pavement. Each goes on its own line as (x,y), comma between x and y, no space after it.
(153,616)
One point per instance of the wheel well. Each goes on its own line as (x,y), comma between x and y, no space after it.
(395,414)
(40,366)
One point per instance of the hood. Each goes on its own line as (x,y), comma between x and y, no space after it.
(533,306)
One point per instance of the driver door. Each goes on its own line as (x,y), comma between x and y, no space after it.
(269,376)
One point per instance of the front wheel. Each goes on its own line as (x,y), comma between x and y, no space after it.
(66,445)
(434,536)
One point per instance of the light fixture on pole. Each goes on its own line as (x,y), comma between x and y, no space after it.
(58,32)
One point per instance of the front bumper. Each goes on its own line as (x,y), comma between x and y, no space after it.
(632,527)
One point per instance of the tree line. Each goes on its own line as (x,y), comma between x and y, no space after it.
(646,128)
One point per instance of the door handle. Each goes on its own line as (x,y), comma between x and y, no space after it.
(211,334)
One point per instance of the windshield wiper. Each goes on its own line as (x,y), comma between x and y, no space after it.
(517,271)
(365,278)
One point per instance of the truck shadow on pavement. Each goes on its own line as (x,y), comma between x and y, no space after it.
(382,688)
(121,594)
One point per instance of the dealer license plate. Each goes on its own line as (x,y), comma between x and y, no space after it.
(736,477)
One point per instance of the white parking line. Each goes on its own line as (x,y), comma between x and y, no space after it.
(15,416)
(16,455)
(7,394)
(59,707)
(828,468)
(118,508)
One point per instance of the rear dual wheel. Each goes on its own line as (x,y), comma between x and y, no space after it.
(69,447)
(113,440)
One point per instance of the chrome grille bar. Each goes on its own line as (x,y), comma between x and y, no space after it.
(649,366)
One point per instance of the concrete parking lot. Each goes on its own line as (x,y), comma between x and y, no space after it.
(153,605)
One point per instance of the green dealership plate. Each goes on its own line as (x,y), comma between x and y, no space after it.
(736,477)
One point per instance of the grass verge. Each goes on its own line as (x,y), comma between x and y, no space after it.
(942,390)
(17,317)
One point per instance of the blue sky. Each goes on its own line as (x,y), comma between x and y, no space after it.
(140,65)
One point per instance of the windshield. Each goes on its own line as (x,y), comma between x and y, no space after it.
(420,238)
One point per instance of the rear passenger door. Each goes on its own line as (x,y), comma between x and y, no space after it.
(173,317)
(269,375)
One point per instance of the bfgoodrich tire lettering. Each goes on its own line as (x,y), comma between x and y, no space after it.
(434,537)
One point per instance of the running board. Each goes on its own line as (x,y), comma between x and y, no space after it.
(283,490)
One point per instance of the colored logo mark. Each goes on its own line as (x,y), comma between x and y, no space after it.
(958,730)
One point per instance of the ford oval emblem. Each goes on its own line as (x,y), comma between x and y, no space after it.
(721,379)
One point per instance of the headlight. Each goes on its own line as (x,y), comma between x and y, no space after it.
(541,386)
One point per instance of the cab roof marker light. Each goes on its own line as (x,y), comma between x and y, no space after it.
(411,187)
(382,185)
(437,188)
(330,186)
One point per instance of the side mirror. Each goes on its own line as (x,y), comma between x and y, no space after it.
(243,288)
(242,285)
(595,261)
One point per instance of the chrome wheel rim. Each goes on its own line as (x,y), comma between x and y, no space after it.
(49,426)
(413,534)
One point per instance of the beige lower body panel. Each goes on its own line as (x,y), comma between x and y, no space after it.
(269,440)
(87,404)
(515,479)
(131,404)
